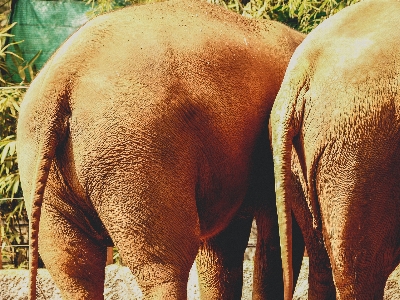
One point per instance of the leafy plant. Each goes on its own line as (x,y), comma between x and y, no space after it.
(303,15)
(310,13)
(103,6)
(21,67)
(25,69)
(4,51)
(5,9)
(12,207)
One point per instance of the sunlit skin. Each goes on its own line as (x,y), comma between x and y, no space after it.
(148,130)
(335,130)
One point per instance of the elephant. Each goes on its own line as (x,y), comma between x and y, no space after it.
(148,130)
(335,132)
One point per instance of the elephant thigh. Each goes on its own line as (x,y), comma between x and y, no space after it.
(75,260)
(359,205)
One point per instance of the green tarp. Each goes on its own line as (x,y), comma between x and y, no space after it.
(45,25)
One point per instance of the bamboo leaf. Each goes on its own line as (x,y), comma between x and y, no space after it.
(10,44)
(11,148)
(7,28)
(14,55)
(35,57)
(4,153)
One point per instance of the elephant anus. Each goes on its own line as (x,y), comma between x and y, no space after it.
(335,130)
(147,130)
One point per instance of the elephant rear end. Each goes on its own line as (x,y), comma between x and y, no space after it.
(161,135)
(338,110)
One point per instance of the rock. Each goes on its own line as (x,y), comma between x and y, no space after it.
(14,285)
(120,284)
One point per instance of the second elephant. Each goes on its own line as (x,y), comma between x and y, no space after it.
(339,109)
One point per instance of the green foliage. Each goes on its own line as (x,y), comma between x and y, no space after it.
(5,9)
(10,99)
(4,51)
(103,6)
(117,259)
(22,67)
(310,13)
(25,69)
(12,209)
(303,15)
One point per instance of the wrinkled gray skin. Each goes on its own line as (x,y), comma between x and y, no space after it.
(147,130)
(339,109)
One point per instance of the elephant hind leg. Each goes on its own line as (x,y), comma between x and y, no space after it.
(360,235)
(267,280)
(75,260)
(159,259)
(320,280)
(220,260)
(157,233)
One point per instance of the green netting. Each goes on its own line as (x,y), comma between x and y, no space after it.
(45,25)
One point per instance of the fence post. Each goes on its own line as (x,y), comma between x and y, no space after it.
(109,256)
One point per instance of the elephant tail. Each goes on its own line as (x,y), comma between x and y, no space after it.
(46,156)
(285,125)
(41,126)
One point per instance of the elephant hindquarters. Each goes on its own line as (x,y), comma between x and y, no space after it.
(75,258)
(359,197)
(320,280)
(150,214)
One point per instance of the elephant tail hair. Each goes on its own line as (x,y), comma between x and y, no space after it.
(43,168)
(285,125)
(50,133)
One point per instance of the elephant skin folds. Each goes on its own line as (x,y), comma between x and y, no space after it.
(144,130)
(335,130)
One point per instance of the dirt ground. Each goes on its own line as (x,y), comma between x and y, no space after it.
(392,290)
(120,284)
